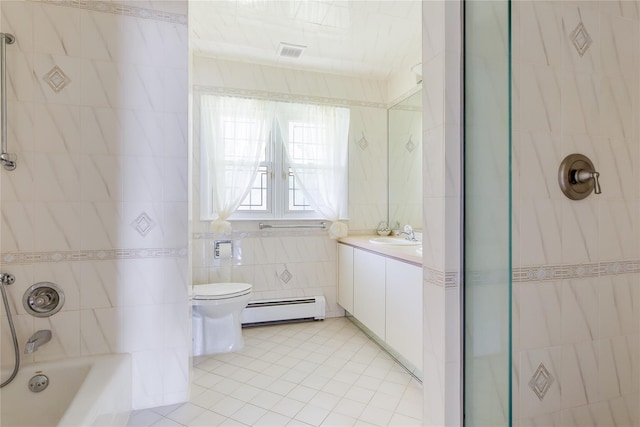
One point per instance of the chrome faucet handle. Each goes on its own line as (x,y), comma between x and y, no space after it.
(408,231)
(584,176)
(578,177)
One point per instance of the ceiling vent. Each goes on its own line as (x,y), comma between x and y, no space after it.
(288,50)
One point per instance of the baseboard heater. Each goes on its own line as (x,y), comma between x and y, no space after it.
(283,310)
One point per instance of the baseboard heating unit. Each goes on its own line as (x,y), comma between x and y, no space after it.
(261,312)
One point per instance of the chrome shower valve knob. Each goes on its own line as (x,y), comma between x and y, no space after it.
(584,176)
(578,177)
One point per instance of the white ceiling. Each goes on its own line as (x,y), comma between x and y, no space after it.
(357,37)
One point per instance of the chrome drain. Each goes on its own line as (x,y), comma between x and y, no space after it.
(38,383)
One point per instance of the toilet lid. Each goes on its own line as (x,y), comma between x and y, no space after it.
(220,290)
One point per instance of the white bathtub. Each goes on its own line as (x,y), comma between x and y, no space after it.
(88,391)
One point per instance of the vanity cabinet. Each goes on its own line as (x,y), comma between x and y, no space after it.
(345,277)
(385,295)
(404,309)
(369,290)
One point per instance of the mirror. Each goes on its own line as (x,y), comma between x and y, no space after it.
(405,161)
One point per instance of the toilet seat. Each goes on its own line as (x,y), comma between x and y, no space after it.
(217,291)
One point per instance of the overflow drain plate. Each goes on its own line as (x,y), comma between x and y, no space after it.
(38,383)
(43,299)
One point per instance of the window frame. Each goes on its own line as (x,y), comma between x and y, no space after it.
(278,179)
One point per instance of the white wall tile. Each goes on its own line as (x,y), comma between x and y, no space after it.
(540,309)
(20,126)
(18,185)
(18,219)
(580,310)
(57,177)
(579,385)
(24,329)
(56,30)
(18,19)
(616,366)
(142,178)
(100,224)
(541,25)
(540,232)
(20,79)
(65,339)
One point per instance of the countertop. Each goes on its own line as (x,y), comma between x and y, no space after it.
(402,253)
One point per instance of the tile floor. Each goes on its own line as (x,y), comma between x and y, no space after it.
(326,373)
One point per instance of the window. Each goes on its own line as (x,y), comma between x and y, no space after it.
(278,160)
(275,192)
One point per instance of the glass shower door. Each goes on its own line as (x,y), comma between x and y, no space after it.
(487,214)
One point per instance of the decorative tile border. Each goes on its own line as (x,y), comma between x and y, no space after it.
(574,271)
(445,279)
(285,97)
(394,103)
(90,255)
(433,276)
(120,9)
(260,234)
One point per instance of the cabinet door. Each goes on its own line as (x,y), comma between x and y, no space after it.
(368,290)
(345,277)
(404,310)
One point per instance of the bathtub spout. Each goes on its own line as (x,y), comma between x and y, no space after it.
(42,336)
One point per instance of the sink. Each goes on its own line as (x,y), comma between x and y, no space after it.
(394,241)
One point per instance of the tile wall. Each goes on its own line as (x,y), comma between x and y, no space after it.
(441,121)
(261,257)
(576,271)
(97,112)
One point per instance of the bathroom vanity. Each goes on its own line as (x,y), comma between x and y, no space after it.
(381,287)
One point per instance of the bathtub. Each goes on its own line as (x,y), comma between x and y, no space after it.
(88,391)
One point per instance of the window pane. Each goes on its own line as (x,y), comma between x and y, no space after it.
(256,200)
(297,201)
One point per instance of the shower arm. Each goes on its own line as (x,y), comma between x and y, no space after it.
(8,160)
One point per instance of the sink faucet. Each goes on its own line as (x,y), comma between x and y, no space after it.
(408,231)
(42,336)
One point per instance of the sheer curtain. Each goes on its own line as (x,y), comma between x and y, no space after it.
(233,137)
(315,138)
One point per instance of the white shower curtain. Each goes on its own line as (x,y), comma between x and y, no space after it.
(316,142)
(233,136)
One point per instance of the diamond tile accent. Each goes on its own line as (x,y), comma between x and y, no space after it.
(56,79)
(541,381)
(286,276)
(143,224)
(363,143)
(581,39)
(410,146)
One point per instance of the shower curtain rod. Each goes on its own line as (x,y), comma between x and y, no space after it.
(8,160)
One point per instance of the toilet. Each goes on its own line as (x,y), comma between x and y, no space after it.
(217,326)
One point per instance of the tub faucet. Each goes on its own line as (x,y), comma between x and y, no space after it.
(42,336)
(408,231)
